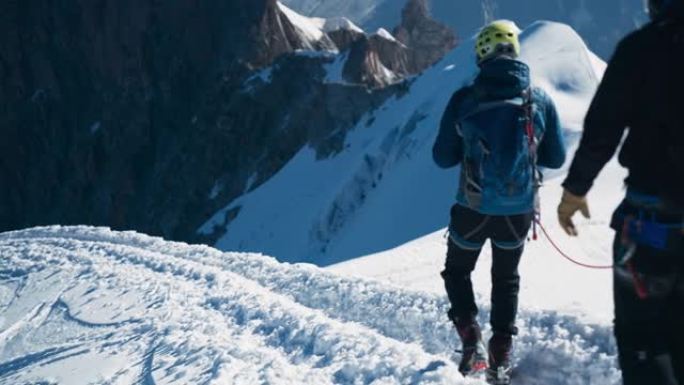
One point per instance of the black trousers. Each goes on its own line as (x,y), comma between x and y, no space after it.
(650,331)
(468,232)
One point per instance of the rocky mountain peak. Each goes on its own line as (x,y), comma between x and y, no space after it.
(141,115)
(415,12)
(277,32)
(418,42)
(427,39)
(344,38)
(376,61)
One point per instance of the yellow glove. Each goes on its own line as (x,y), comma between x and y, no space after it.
(570,204)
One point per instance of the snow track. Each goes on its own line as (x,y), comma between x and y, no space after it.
(87,305)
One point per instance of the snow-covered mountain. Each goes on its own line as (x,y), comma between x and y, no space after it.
(383,189)
(154,115)
(601,23)
(377,59)
(82,306)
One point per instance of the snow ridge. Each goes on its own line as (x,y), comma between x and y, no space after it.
(150,311)
(315,29)
(309,27)
(337,23)
(385,34)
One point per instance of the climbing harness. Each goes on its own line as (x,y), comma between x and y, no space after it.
(635,232)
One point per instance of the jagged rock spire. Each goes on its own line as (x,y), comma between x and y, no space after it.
(428,40)
(414,12)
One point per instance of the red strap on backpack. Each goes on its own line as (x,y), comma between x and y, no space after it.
(529,126)
(532,143)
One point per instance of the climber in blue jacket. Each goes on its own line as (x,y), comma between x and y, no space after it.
(500,130)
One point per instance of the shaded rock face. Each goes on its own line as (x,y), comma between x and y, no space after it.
(271,35)
(100,98)
(274,35)
(376,62)
(393,54)
(344,38)
(136,114)
(270,119)
(428,40)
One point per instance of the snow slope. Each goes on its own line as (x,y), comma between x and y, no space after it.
(85,305)
(383,189)
(309,28)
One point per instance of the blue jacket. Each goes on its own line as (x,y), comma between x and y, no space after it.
(500,79)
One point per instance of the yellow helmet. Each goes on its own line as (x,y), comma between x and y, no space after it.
(499,37)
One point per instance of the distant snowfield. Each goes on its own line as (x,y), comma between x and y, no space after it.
(85,305)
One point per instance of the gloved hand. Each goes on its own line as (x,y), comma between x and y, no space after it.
(569,205)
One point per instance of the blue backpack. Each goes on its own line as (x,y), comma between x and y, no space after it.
(499,174)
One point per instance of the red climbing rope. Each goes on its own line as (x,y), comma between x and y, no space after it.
(576,262)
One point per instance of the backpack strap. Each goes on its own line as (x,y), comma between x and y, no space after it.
(482,107)
(532,140)
(533,143)
(528,105)
(480,94)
